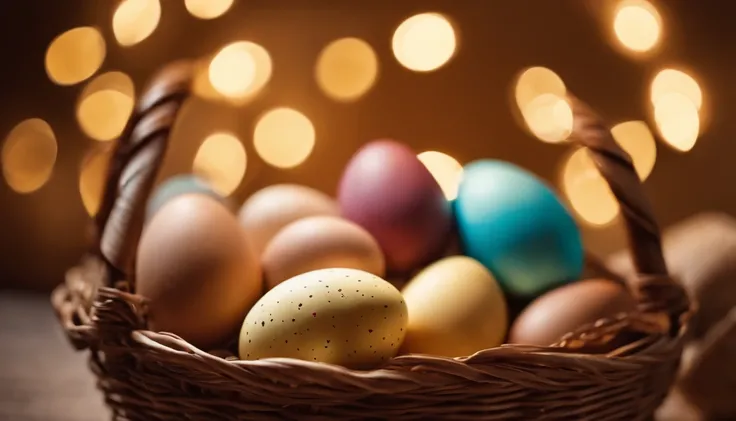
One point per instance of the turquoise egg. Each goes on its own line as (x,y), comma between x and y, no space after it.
(514,224)
(176,186)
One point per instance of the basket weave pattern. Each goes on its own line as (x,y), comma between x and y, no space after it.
(615,369)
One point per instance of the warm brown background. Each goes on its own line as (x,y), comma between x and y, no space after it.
(463,109)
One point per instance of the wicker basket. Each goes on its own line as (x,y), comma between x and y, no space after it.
(615,369)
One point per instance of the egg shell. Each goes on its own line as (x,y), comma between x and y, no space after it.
(176,186)
(387,190)
(270,209)
(320,242)
(195,267)
(568,308)
(456,308)
(514,224)
(346,317)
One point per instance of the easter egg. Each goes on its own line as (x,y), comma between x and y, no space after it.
(176,186)
(455,307)
(567,308)
(514,224)
(346,317)
(320,242)
(387,190)
(270,209)
(196,269)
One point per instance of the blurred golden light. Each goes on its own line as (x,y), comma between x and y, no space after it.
(536,81)
(221,160)
(284,137)
(92,178)
(204,88)
(638,141)
(424,42)
(637,25)
(208,9)
(240,70)
(549,117)
(677,120)
(75,55)
(346,69)
(670,81)
(105,105)
(587,191)
(445,169)
(135,20)
(29,155)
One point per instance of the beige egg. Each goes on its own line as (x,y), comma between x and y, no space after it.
(195,267)
(270,209)
(346,317)
(320,242)
(456,308)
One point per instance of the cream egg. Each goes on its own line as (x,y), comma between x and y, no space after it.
(270,209)
(320,242)
(456,308)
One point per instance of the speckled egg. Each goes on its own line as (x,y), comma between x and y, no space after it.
(456,308)
(345,317)
(514,224)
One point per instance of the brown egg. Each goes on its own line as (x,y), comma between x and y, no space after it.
(270,209)
(320,242)
(196,268)
(567,308)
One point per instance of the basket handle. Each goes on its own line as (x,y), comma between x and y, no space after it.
(135,163)
(655,290)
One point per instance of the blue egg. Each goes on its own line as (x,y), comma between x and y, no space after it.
(514,224)
(176,186)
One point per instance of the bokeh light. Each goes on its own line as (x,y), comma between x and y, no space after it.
(445,169)
(222,161)
(424,42)
(540,96)
(92,177)
(549,117)
(29,155)
(208,9)
(239,70)
(75,55)
(105,105)
(135,20)
(587,191)
(637,25)
(669,81)
(638,141)
(536,81)
(678,121)
(346,69)
(284,137)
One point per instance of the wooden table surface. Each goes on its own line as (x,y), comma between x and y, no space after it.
(41,377)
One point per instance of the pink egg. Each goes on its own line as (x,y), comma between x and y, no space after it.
(389,192)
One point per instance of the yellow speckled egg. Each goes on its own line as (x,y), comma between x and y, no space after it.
(456,308)
(346,317)
(320,242)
